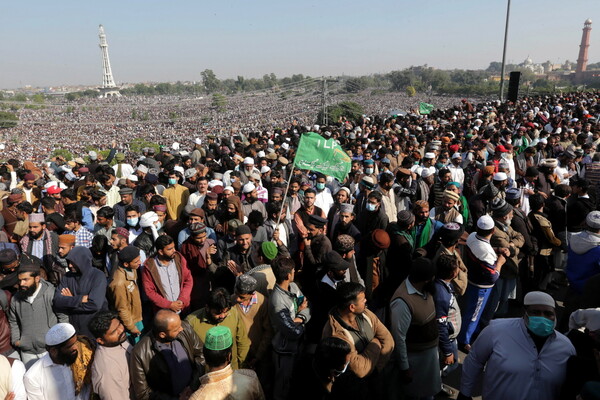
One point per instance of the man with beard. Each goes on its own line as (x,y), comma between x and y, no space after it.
(31,313)
(425,227)
(219,312)
(40,242)
(447,211)
(210,212)
(110,370)
(415,331)
(251,202)
(61,373)
(60,266)
(166,278)
(342,196)
(316,246)
(124,293)
(345,224)
(32,193)
(196,216)
(199,251)
(82,291)
(370,341)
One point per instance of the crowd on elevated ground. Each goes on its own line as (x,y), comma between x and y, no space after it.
(213,268)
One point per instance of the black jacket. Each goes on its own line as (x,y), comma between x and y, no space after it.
(149,372)
(90,282)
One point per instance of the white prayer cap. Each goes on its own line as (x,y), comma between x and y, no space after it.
(198,141)
(285,146)
(59,333)
(248,187)
(190,172)
(248,161)
(264,170)
(215,182)
(426,172)
(260,154)
(132,178)
(142,168)
(593,220)
(500,176)
(179,169)
(175,146)
(429,155)
(538,299)
(316,128)
(148,219)
(456,155)
(230,188)
(485,222)
(585,318)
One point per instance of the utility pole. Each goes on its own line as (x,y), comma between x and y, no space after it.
(504,53)
(324,101)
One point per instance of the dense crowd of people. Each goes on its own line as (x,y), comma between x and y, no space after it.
(91,123)
(215,269)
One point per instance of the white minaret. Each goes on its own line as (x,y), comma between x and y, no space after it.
(108,89)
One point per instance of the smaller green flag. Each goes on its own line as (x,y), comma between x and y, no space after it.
(425,108)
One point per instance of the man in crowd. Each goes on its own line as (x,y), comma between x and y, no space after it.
(31,313)
(168,361)
(110,369)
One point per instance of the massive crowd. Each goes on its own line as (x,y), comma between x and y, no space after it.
(215,269)
(91,123)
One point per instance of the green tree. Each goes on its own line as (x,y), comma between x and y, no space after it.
(411,91)
(138,144)
(210,81)
(66,154)
(219,102)
(8,120)
(347,109)
(38,98)
(20,97)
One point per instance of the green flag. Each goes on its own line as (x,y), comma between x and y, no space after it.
(324,156)
(425,108)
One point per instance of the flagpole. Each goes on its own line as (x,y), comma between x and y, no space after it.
(285,195)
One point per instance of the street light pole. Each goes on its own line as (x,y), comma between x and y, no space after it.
(504,53)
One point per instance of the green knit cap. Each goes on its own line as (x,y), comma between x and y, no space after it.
(218,338)
(269,250)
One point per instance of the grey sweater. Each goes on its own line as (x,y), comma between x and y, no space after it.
(29,322)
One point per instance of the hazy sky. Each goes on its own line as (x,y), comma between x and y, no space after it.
(46,43)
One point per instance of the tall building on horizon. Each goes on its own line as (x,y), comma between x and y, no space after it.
(108,89)
(583,51)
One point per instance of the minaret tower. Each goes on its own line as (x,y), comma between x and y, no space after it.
(108,89)
(583,51)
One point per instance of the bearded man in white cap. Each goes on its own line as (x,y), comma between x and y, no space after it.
(250,202)
(484,264)
(62,372)
(524,358)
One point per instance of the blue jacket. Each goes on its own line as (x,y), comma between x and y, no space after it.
(446,311)
(584,259)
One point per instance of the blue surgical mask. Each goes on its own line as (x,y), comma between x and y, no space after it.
(396,152)
(158,225)
(368,171)
(540,326)
(132,221)
(172,181)
(320,186)
(371,207)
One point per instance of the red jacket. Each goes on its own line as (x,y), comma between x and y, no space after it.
(154,288)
